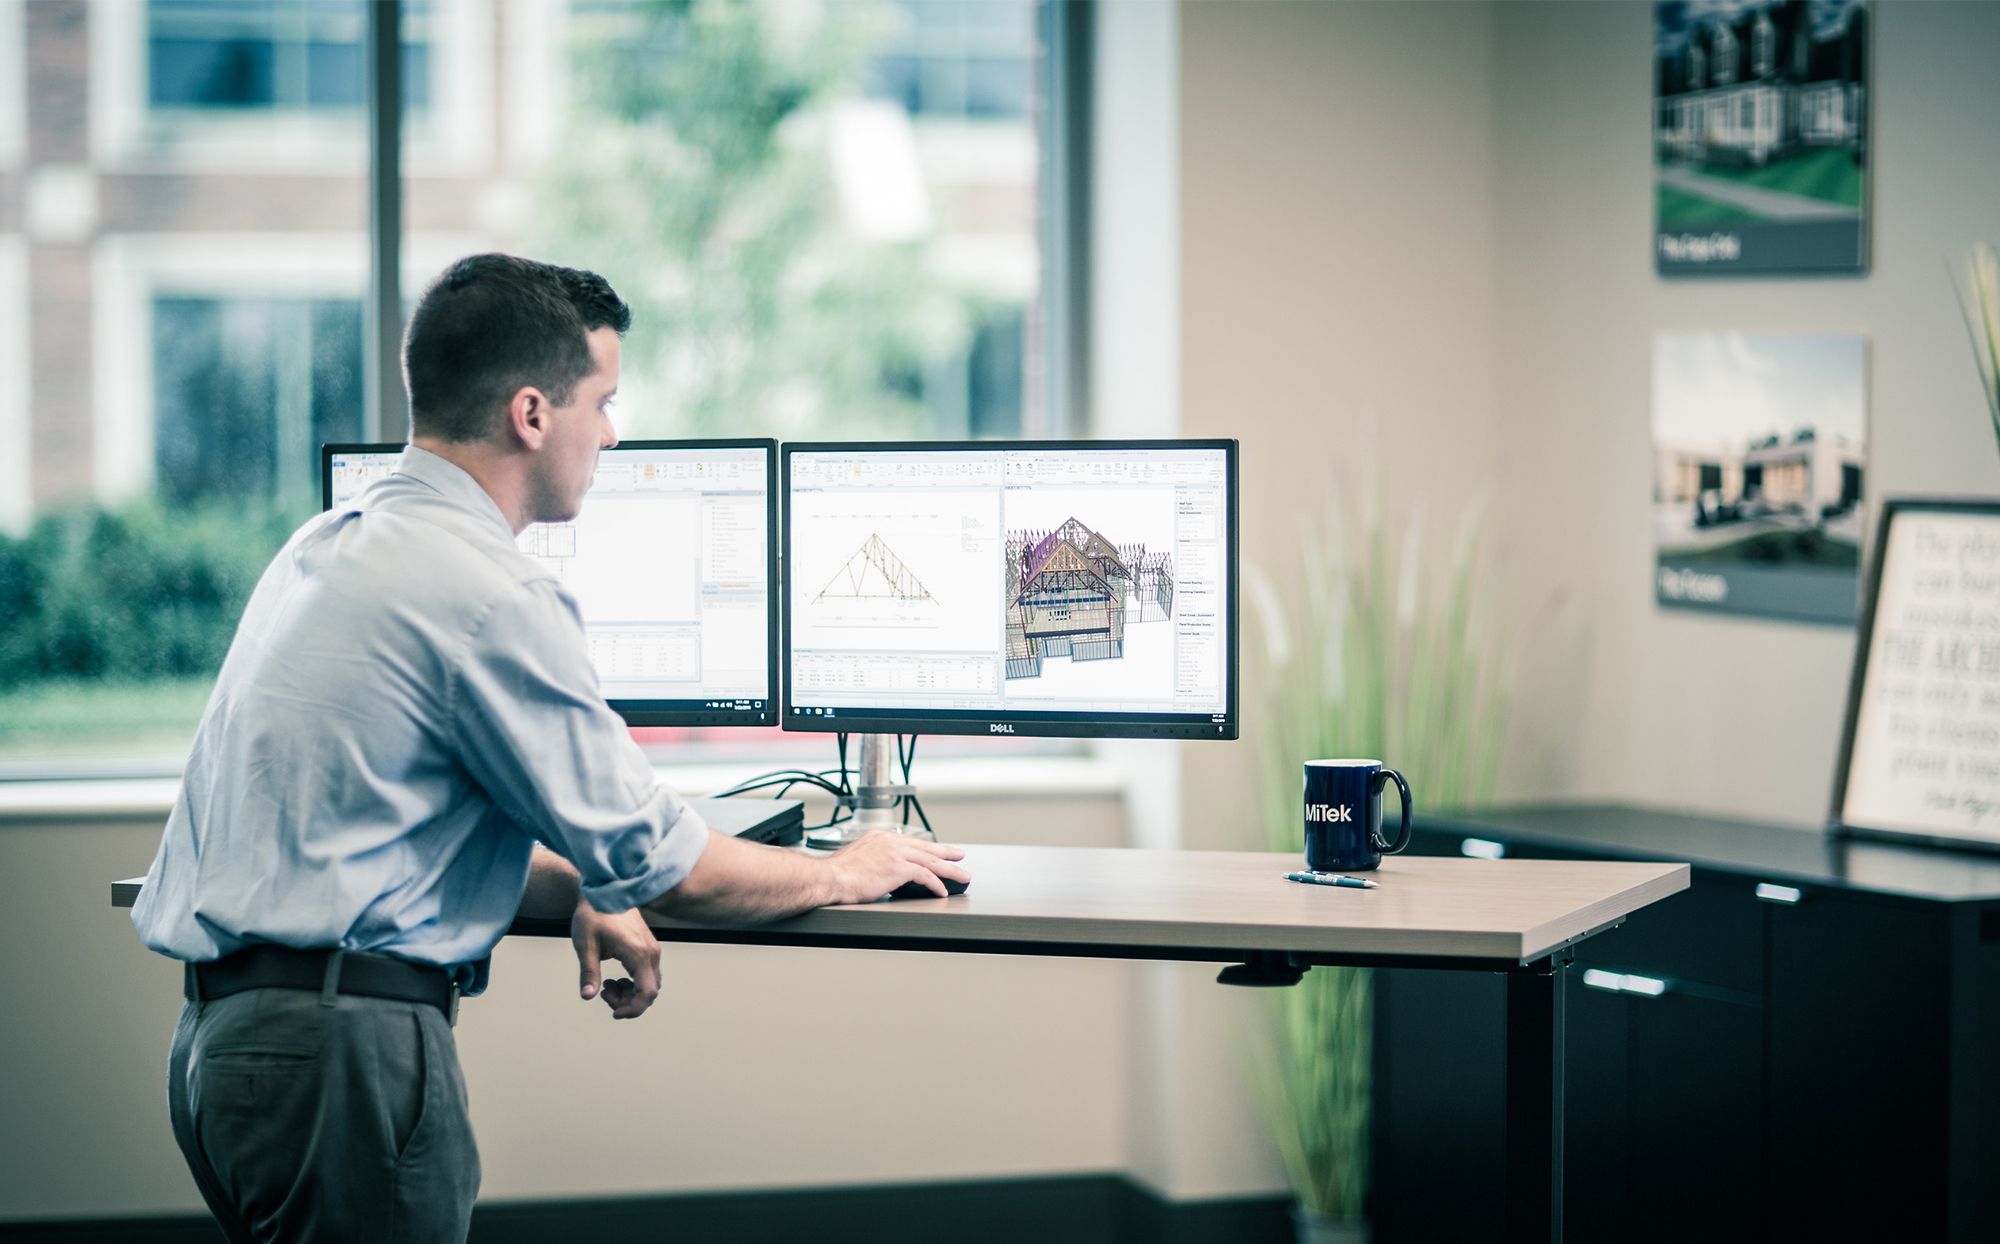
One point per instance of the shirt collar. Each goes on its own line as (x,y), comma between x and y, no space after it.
(451,482)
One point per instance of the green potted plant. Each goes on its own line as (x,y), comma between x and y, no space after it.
(1363,661)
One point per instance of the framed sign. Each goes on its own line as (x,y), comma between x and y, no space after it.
(1920,754)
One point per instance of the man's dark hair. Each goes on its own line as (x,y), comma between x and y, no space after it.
(490,324)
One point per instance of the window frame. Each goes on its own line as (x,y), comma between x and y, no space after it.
(17,442)
(1056,405)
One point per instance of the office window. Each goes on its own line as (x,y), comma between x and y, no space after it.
(196,290)
(948,59)
(245,54)
(826,216)
(245,392)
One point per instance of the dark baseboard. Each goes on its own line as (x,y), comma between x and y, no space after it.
(177,1230)
(1080,1209)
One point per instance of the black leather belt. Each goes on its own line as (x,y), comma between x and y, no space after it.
(325,972)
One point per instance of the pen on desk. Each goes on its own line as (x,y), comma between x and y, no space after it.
(1311,878)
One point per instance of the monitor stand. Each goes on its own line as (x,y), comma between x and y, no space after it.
(876,799)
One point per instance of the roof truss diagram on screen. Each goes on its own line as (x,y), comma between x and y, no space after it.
(875,588)
(906,568)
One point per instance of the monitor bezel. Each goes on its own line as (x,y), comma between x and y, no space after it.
(668,712)
(1018,724)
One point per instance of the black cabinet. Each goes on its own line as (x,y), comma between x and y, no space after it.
(1859,1058)
(1691,1127)
(1818,1063)
(1663,1124)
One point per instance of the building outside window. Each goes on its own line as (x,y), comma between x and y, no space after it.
(271,54)
(827,219)
(245,390)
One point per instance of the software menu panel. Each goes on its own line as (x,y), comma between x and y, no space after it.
(667,564)
(670,564)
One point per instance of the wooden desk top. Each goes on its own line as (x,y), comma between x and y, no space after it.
(1221,904)
(1237,901)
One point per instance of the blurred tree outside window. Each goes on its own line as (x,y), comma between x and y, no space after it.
(825,217)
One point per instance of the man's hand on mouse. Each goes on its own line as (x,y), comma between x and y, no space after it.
(623,937)
(878,862)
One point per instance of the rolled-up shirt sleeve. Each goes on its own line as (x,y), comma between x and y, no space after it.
(534,731)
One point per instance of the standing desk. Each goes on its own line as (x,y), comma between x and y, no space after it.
(1519,917)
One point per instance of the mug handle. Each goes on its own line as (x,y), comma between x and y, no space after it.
(1403,789)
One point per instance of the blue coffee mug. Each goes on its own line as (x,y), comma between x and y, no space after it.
(1344,815)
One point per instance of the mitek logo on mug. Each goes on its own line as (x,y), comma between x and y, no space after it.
(1343,815)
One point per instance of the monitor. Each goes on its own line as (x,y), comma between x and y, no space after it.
(672,565)
(1012,588)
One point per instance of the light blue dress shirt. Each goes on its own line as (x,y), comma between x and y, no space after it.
(407,707)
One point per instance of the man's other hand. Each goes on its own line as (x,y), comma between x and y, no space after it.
(878,861)
(623,937)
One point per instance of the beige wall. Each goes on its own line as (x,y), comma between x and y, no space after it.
(1337,257)
(1442,212)
(1629,701)
(761,1068)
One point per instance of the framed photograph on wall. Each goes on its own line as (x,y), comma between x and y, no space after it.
(1760,137)
(1760,452)
(1920,751)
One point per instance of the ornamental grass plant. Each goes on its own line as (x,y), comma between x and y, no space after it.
(1979,297)
(1364,654)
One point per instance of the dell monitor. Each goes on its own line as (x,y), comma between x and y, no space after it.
(672,565)
(1012,587)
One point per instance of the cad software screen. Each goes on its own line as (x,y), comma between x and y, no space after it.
(1031,584)
(670,565)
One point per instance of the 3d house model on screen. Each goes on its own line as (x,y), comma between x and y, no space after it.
(1071,593)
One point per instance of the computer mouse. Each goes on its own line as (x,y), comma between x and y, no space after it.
(917,889)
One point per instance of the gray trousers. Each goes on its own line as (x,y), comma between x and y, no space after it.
(304,1122)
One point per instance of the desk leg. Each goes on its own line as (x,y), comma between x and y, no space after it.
(1535,1105)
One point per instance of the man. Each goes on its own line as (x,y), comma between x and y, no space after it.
(405,746)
